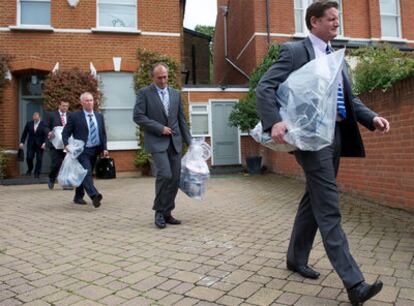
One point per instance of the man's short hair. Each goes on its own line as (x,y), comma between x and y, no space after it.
(63,101)
(84,95)
(317,9)
(157,65)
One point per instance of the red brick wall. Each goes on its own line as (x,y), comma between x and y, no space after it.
(386,175)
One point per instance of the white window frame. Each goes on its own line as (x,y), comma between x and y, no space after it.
(121,144)
(19,16)
(398,17)
(206,112)
(305,30)
(116,29)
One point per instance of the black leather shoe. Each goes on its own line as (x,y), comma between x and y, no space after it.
(37,176)
(96,200)
(363,292)
(79,201)
(159,220)
(50,184)
(305,271)
(171,220)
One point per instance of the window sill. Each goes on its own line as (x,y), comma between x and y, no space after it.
(116,30)
(394,40)
(299,35)
(44,28)
(342,38)
(122,145)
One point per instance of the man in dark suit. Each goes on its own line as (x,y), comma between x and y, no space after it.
(319,207)
(54,119)
(35,132)
(88,126)
(159,112)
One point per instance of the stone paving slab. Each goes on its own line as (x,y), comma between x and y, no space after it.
(230,249)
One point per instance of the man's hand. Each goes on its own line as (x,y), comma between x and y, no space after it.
(50,135)
(105,153)
(66,149)
(21,146)
(167,131)
(381,124)
(43,146)
(278,132)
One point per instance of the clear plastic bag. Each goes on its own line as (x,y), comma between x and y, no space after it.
(194,169)
(266,140)
(57,141)
(71,172)
(308,104)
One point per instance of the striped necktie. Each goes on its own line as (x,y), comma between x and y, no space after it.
(92,131)
(340,94)
(165,101)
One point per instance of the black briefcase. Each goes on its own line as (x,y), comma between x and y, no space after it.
(20,155)
(105,168)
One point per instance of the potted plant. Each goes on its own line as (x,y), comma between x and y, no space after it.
(3,163)
(244,114)
(143,159)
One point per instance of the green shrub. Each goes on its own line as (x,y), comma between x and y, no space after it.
(3,163)
(68,86)
(380,67)
(244,114)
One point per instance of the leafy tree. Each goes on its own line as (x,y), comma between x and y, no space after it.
(68,86)
(207,30)
(4,62)
(244,114)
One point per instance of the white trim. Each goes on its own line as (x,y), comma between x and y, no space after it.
(60,30)
(72,30)
(398,17)
(27,27)
(393,39)
(210,102)
(122,145)
(19,16)
(214,89)
(116,30)
(161,34)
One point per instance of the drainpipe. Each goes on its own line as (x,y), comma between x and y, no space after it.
(268,22)
(225,13)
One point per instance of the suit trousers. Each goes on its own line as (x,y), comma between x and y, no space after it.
(319,209)
(168,169)
(57,159)
(32,152)
(87,159)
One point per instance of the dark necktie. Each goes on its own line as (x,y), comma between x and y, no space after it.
(340,94)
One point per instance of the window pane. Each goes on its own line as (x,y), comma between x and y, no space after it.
(299,21)
(199,124)
(298,4)
(117,16)
(37,13)
(118,89)
(119,125)
(199,108)
(388,7)
(389,26)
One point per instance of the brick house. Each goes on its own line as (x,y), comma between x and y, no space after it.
(97,35)
(363,22)
(387,174)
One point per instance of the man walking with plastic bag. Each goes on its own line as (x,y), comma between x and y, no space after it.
(88,126)
(159,112)
(319,207)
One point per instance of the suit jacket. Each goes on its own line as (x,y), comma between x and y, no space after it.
(150,115)
(34,138)
(78,128)
(292,56)
(53,119)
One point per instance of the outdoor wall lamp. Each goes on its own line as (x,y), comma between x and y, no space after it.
(73,3)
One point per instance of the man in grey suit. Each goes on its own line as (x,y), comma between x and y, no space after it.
(159,112)
(319,207)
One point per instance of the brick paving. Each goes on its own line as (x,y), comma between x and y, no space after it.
(230,249)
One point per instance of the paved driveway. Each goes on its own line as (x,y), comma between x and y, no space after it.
(230,249)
